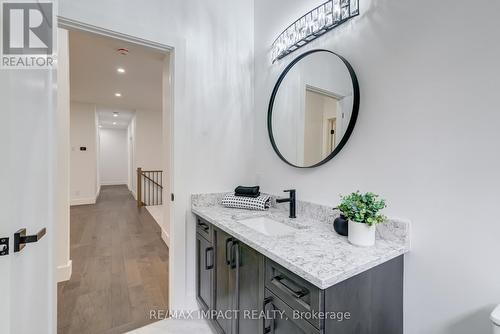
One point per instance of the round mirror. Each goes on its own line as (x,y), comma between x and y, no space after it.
(313,108)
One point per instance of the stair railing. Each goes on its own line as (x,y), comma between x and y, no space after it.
(149,187)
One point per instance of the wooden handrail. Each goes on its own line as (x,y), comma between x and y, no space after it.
(149,187)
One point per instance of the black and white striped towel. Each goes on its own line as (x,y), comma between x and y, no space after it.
(249,203)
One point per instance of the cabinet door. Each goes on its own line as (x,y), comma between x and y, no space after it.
(282,319)
(204,275)
(249,277)
(224,286)
(374,299)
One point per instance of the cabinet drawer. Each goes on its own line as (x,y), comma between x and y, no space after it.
(299,294)
(204,229)
(283,319)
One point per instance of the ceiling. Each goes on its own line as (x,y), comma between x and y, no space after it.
(107,118)
(94,61)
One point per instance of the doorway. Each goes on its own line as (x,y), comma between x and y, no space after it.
(118,124)
(322,124)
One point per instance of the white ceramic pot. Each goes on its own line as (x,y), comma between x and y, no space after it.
(361,234)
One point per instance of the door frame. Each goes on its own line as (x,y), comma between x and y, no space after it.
(175,49)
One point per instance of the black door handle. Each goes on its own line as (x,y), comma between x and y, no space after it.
(21,239)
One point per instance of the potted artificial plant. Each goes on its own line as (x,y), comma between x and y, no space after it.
(362,210)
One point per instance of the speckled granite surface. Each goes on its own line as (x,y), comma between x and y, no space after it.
(314,252)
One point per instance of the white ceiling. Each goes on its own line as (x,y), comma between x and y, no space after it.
(94,77)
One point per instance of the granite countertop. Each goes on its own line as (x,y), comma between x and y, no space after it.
(314,251)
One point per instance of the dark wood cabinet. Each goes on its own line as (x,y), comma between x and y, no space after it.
(249,281)
(239,285)
(205,265)
(295,291)
(282,320)
(374,300)
(224,285)
(235,280)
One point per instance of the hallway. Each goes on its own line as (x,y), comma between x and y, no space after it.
(120,267)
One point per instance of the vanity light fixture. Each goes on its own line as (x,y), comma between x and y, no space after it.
(120,70)
(118,94)
(115,114)
(318,21)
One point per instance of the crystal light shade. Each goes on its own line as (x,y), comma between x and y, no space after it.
(314,24)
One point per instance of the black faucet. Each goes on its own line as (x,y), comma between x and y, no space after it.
(290,199)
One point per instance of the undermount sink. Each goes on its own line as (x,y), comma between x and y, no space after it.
(267,226)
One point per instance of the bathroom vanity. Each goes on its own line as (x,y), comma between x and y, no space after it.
(261,272)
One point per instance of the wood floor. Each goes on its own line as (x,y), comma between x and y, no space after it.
(120,267)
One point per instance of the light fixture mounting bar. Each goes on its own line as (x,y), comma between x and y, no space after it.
(315,23)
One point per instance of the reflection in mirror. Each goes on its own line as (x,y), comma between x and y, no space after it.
(312,109)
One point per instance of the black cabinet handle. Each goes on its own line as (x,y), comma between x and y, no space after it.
(297,293)
(204,226)
(270,328)
(21,239)
(234,260)
(211,266)
(228,250)
(236,252)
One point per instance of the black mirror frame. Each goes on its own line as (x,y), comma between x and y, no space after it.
(352,121)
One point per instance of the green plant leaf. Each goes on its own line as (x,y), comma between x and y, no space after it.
(362,208)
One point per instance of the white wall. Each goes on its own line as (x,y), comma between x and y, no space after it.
(146,130)
(97,153)
(167,133)
(148,139)
(113,162)
(62,202)
(423,68)
(132,184)
(83,164)
(213,97)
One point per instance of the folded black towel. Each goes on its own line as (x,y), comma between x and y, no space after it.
(247,191)
(251,196)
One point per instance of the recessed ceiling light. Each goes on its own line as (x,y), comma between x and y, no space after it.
(120,70)
(122,51)
(115,114)
(114,123)
(118,94)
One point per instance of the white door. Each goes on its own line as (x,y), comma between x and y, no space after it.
(27,286)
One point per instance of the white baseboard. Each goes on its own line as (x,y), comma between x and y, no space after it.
(113,183)
(82,201)
(165,237)
(64,271)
